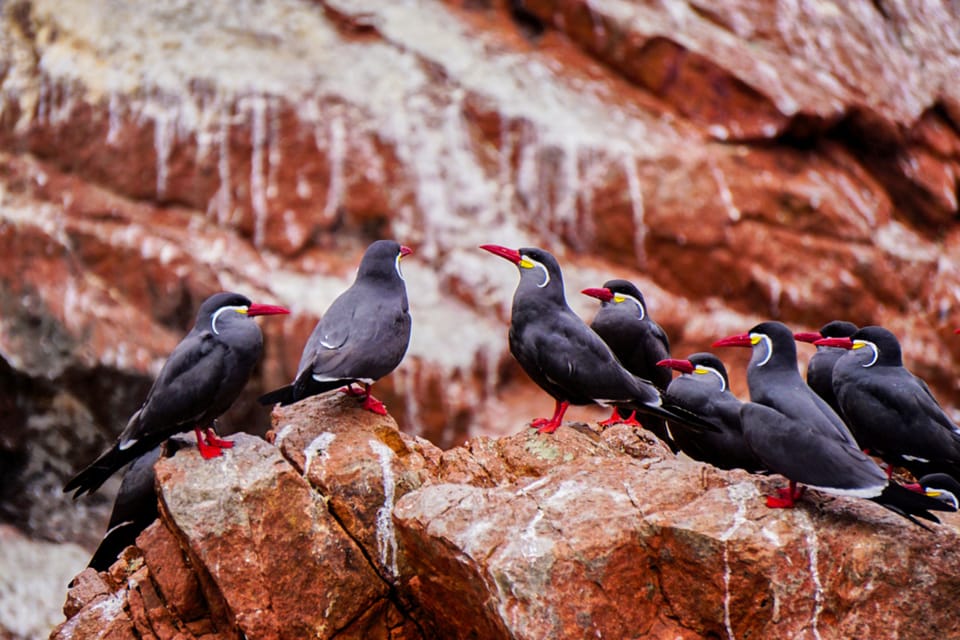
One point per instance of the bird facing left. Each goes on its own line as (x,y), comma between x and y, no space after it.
(200,380)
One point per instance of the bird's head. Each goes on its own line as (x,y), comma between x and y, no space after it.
(873,345)
(225,307)
(702,364)
(382,260)
(537,267)
(767,339)
(833,329)
(620,294)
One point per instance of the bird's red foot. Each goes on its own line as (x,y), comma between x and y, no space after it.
(215,441)
(786,497)
(616,419)
(372,404)
(208,451)
(780,503)
(543,425)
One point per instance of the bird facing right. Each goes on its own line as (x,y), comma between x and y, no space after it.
(362,337)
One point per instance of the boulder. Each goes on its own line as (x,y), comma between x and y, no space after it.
(347,527)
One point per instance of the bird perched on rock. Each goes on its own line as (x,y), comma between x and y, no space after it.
(199,381)
(703,388)
(892,412)
(637,341)
(796,434)
(362,337)
(820,367)
(564,356)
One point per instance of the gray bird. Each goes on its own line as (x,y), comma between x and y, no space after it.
(362,337)
(796,434)
(199,381)
(892,412)
(820,366)
(638,342)
(703,388)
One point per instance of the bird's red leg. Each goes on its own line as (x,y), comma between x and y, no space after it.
(354,393)
(544,425)
(215,441)
(787,497)
(206,450)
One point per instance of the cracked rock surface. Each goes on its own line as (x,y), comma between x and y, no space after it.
(345,527)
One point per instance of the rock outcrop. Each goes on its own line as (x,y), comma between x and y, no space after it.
(346,527)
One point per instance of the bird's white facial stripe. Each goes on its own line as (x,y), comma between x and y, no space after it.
(530,264)
(703,370)
(757,338)
(859,344)
(914,458)
(623,297)
(397,266)
(216,315)
(126,444)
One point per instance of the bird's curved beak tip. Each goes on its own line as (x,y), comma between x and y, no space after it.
(508,254)
(807,336)
(266,310)
(684,366)
(600,293)
(741,340)
(405,251)
(842,343)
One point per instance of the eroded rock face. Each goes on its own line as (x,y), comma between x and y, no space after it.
(738,162)
(347,527)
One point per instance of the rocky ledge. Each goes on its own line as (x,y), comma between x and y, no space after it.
(346,527)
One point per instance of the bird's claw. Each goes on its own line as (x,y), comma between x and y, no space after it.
(215,441)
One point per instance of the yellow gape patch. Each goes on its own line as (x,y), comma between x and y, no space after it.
(618,298)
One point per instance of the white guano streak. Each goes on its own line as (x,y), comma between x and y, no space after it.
(386,535)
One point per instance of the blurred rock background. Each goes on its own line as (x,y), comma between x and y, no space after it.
(738,160)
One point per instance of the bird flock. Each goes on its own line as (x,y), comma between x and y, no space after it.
(859,404)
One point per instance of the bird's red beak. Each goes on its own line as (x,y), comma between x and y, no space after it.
(742,340)
(266,310)
(683,366)
(807,336)
(508,254)
(956,330)
(405,251)
(841,343)
(599,293)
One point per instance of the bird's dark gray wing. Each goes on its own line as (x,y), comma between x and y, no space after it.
(183,391)
(574,358)
(805,452)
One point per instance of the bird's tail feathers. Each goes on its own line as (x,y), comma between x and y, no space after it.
(283,395)
(911,504)
(90,479)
